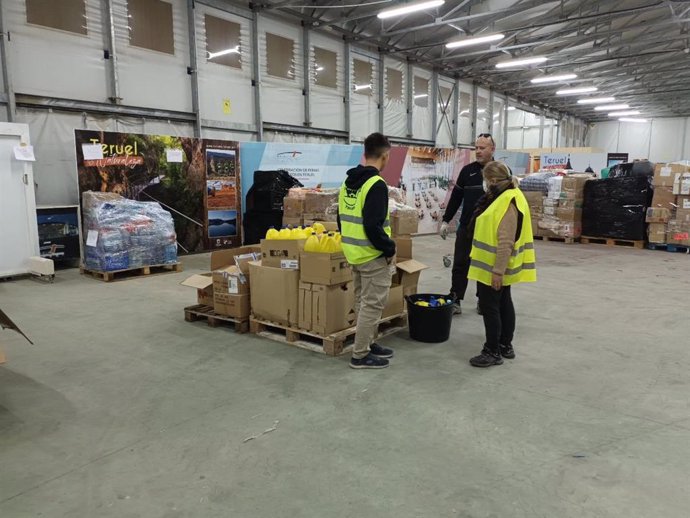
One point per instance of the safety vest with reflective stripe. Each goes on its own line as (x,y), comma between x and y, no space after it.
(522,264)
(356,245)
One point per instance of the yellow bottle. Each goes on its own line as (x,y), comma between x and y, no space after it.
(319,228)
(298,233)
(308,231)
(312,244)
(338,238)
(328,244)
(272,233)
(284,233)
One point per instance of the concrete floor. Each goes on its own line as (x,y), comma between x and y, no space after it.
(122,409)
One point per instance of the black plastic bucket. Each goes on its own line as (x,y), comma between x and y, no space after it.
(427,324)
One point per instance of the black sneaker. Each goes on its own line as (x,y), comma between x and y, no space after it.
(369,362)
(486,359)
(507,351)
(479,309)
(457,308)
(380,351)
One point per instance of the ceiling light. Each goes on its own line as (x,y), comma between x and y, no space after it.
(511,108)
(597,100)
(410,8)
(466,42)
(625,119)
(421,96)
(362,87)
(234,50)
(624,114)
(575,91)
(481,110)
(521,62)
(553,79)
(611,107)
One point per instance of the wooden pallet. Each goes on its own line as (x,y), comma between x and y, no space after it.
(669,247)
(202,312)
(566,240)
(588,240)
(331,345)
(117,275)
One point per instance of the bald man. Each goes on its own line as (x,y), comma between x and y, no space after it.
(467,191)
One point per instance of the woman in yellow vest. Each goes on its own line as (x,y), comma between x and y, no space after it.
(502,255)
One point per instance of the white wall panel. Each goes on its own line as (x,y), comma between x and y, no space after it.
(149,78)
(445,122)
(220,83)
(327,104)
(498,121)
(465,114)
(634,138)
(57,63)
(365,118)
(666,140)
(422,117)
(281,99)
(227,135)
(395,110)
(483,123)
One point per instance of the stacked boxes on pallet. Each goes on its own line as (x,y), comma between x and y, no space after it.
(226,288)
(303,206)
(669,214)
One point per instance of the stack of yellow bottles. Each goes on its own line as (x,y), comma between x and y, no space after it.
(288,233)
(325,243)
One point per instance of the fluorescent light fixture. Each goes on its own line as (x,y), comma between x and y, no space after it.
(410,8)
(611,107)
(553,79)
(318,68)
(511,108)
(575,91)
(521,62)
(362,87)
(624,114)
(477,40)
(421,96)
(597,100)
(481,110)
(234,50)
(626,119)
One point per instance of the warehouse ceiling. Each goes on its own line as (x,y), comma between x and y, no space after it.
(637,51)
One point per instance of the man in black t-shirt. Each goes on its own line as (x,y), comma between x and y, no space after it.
(467,191)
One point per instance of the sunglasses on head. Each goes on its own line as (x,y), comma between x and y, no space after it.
(487,135)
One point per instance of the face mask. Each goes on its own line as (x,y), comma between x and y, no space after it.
(486,186)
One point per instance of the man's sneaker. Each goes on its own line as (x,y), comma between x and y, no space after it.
(369,362)
(486,359)
(479,309)
(507,351)
(380,351)
(457,308)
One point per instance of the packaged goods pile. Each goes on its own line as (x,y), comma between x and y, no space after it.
(669,213)
(616,208)
(304,206)
(122,234)
(559,213)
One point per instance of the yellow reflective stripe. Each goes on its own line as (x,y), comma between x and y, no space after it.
(484,246)
(523,266)
(481,265)
(351,219)
(355,242)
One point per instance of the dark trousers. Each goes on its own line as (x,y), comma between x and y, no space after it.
(499,316)
(461,263)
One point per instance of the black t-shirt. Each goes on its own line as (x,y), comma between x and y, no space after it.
(467,191)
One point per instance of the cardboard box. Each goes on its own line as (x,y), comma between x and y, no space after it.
(396,302)
(681,184)
(665,174)
(534,198)
(404,223)
(326,269)
(575,203)
(682,216)
(407,276)
(235,306)
(678,233)
(326,309)
(573,186)
(657,233)
(320,201)
(222,258)
(292,222)
(228,284)
(311,217)
(275,294)
(569,214)
(550,211)
(403,247)
(281,253)
(293,207)
(203,283)
(551,202)
(683,202)
(658,215)
(664,198)
(330,226)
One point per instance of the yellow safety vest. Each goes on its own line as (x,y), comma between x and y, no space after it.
(356,245)
(522,264)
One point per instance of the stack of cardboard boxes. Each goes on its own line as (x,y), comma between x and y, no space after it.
(302,207)
(669,215)
(560,212)
(226,287)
